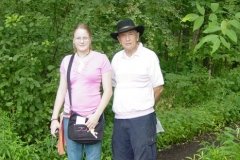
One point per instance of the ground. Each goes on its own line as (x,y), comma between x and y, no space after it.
(181,151)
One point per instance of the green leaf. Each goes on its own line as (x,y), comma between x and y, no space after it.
(198,23)
(15,57)
(208,38)
(24,28)
(8,104)
(224,26)
(190,17)
(216,44)
(200,9)
(50,67)
(235,24)
(212,28)
(214,6)
(237,15)
(224,42)
(37,84)
(3,84)
(232,35)
(213,17)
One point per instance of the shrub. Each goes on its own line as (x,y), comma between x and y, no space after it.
(227,147)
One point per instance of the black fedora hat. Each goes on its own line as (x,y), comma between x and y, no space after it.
(127,25)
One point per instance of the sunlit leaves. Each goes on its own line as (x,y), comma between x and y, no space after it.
(212,27)
(214,39)
(50,67)
(217,40)
(216,45)
(200,9)
(198,20)
(217,31)
(235,23)
(190,17)
(198,23)
(237,15)
(8,104)
(232,35)
(224,42)
(224,26)
(12,20)
(213,17)
(214,7)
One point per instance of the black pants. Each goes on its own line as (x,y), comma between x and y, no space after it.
(135,139)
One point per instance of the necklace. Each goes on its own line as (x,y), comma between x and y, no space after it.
(83,55)
(81,62)
(80,67)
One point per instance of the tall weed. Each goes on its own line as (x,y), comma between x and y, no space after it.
(226,148)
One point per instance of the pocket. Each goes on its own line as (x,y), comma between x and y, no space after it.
(151,141)
(151,149)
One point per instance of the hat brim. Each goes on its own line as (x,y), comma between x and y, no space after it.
(139,29)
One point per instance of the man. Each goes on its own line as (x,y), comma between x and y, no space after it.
(138,83)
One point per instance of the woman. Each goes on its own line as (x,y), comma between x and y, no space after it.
(89,70)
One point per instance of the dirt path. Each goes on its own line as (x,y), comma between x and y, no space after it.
(181,151)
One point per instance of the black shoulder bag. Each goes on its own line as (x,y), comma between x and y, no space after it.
(77,130)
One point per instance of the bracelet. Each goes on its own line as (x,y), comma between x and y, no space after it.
(53,119)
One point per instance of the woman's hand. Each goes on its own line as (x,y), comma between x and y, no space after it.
(54,127)
(92,121)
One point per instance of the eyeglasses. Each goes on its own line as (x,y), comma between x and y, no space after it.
(82,38)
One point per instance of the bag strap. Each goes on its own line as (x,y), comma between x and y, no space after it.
(68,79)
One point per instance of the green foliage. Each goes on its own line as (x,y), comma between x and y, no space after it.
(211,115)
(190,17)
(212,103)
(217,33)
(192,88)
(215,38)
(23,66)
(36,35)
(228,148)
(11,147)
(47,149)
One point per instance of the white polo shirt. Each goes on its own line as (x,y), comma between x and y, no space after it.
(134,79)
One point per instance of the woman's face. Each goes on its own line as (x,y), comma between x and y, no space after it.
(82,40)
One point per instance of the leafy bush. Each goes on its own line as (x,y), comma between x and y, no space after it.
(212,115)
(226,147)
(11,147)
(47,149)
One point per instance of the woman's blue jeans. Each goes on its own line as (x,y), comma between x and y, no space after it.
(75,151)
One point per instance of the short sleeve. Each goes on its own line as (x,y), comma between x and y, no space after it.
(64,64)
(113,73)
(155,72)
(106,66)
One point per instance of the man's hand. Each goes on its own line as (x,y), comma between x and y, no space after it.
(157,92)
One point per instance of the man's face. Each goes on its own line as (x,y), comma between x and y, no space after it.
(129,40)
